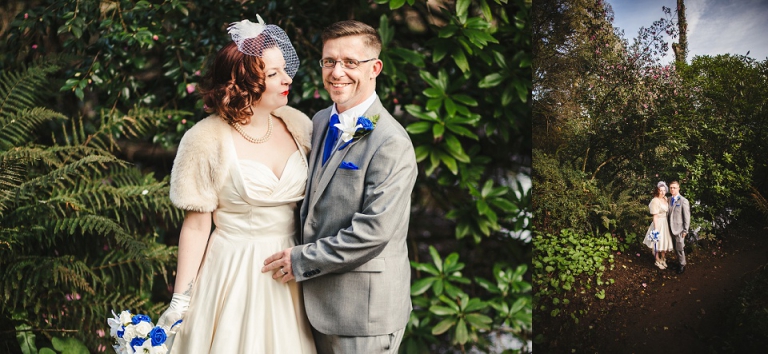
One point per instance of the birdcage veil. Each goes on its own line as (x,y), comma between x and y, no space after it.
(253,38)
(662,184)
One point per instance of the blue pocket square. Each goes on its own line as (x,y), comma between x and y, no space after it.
(348,166)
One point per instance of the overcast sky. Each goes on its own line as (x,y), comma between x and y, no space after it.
(714,26)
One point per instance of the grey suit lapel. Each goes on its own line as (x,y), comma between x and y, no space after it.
(326,172)
(314,168)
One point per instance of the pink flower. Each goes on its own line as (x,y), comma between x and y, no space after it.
(101,348)
(106,247)
(197,73)
(638,254)
(34,46)
(645,285)
(183,121)
(100,333)
(26,16)
(169,116)
(317,94)
(191,88)
(155,37)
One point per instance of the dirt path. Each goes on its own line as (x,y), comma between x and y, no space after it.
(679,313)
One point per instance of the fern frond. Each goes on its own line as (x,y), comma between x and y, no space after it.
(21,90)
(19,128)
(85,165)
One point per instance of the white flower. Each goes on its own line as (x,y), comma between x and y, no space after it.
(348,125)
(130,333)
(114,324)
(142,329)
(125,317)
(147,348)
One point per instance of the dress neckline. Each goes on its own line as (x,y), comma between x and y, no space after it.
(262,165)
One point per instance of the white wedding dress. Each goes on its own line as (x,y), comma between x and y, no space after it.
(234,307)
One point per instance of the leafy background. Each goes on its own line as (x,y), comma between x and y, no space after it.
(96,95)
(611,119)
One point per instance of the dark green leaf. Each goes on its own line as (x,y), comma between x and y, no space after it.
(461,332)
(442,326)
(422,285)
(419,127)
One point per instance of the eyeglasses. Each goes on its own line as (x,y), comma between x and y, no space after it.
(345,63)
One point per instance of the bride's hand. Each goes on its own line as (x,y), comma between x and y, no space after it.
(175,313)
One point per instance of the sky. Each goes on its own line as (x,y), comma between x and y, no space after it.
(714,26)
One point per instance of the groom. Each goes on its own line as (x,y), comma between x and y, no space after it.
(353,257)
(679,221)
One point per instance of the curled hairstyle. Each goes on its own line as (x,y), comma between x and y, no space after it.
(354,28)
(233,83)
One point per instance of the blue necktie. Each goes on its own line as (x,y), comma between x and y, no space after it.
(331,138)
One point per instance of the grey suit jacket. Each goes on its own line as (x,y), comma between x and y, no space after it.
(353,258)
(679,216)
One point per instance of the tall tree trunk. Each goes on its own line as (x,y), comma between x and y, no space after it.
(681,48)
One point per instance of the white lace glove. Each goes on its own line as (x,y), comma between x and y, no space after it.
(175,312)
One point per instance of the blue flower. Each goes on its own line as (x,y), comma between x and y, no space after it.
(140,318)
(137,342)
(158,336)
(121,332)
(363,126)
(366,123)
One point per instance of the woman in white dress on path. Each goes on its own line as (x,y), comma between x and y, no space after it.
(242,169)
(658,238)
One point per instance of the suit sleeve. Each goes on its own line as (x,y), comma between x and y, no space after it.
(390,178)
(686,215)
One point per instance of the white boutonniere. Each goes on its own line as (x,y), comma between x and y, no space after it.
(355,128)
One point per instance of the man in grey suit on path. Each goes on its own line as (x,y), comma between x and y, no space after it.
(352,259)
(679,221)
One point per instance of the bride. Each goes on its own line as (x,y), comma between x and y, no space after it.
(658,237)
(243,169)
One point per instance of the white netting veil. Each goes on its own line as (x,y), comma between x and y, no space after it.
(253,38)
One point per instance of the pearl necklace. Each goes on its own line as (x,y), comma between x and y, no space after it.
(264,138)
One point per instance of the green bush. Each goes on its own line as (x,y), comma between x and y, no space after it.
(571,263)
(443,306)
(77,225)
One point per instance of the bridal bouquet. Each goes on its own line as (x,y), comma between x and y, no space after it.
(136,334)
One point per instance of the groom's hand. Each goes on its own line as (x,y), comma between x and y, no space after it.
(280,266)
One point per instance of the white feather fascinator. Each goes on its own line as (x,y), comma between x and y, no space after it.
(253,38)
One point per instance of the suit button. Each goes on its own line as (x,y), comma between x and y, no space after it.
(306,275)
(317,271)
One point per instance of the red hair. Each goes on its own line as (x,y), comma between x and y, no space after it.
(233,84)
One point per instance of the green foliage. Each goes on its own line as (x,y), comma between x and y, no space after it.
(566,195)
(77,225)
(26,340)
(568,264)
(448,310)
(456,75)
